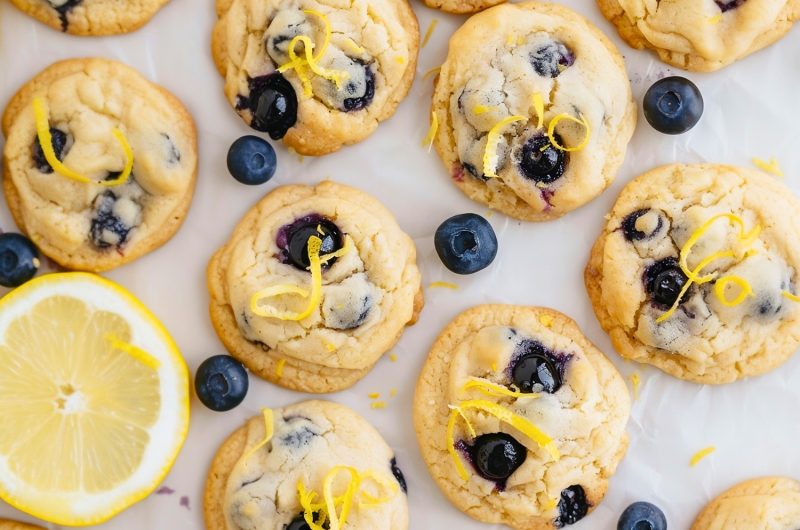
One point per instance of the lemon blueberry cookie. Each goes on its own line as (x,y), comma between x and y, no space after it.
(310,466)
(701,35)
(771,503)
(532,111)
(317,75)
(696,272)
(315,284)
(520,419)
(92,17)
(100,164)
(6,524)
(460,7)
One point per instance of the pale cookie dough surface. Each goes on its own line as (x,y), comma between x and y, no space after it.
(704,341)
(585,416)
(6,524)
(460,7)
(251,489)
(88,226)
(701,35)
(761,504)
(498,60)
(369,295)
(373,44)
(92,17)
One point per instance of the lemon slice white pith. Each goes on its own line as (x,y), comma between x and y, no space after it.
(94,399)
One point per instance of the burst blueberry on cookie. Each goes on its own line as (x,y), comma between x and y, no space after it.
(315,75)
(532,111)
(315,284)
(695,272)
(314,462)
(701,35)
(92,17)
(100,164)
(758,504)
(520,419)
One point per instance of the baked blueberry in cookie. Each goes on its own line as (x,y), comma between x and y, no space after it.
(315,75)
(761,503)
(507,408)
(314,462)
(518,118)
(695,273)
(92,17)
(314,286)
(97,185)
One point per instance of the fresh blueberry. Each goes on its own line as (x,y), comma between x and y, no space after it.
(664,281)
(673,105)
(572,507)
(272,103)
(466,243)
(221,382)
(642,516)
(293,239)
(541,161)
(59,142)
(497,455)
(727,5)
(398,475)
(19,259)
(535,369)
(252,160)
(552,59)
(362,100)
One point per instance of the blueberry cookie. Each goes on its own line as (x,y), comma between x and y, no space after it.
(319,76)
(6,524)
(312,462)
(520,419)
(92,17)
(761,504)
(461,7)
(532,111)
(701,35)
(119,170)
(315,284)
(696,272)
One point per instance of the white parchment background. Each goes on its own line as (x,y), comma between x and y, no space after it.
(752,109)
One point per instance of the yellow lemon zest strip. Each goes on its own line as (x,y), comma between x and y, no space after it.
(636,381)
(481,109)
(378,405)
(46,142)
(701,454)
(490,153)
(538,107)
(428,33)
(383,482)
(348,246)
(393,357)
(716,19)
(269,431)
(693,278)
(428,141)
(430,72)
(551,129)
(134,351)
(314,245)
(771,167)
(338,519)
(279,368)
(493,389)
(451,443)
(374,395)
(546,320)
(337,76)
(445,285)
(745,290)
(306,499)
(790,296)
(354,45)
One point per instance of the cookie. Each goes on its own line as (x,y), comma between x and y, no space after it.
(701,35)
(313,450)
(92,17)
(460,7)
(319,76)
(760,504)
(260,286)
(6,524)
(731,231)
(532,111)
(94,211)
(520,419)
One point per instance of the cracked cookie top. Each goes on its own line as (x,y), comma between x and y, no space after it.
(696,272)
(771,503)
(314,460)
(92,17)
(119,173)
(318,74)
(701,35)
(319,279)
(532,110)
(520,419)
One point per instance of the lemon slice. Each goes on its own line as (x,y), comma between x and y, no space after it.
(94,397)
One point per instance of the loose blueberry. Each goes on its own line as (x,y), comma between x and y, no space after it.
(364,99)
(466,243)
(572,507)
(535,370)
(727,5)
(642,516)
(272,103)
(664,281)
(552,59)
(398,475)
(541,161)
(221,383)
(19,259)
(252,160)
(673,105)
(634,234)
(59,142)
(497,455)
(293,239)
